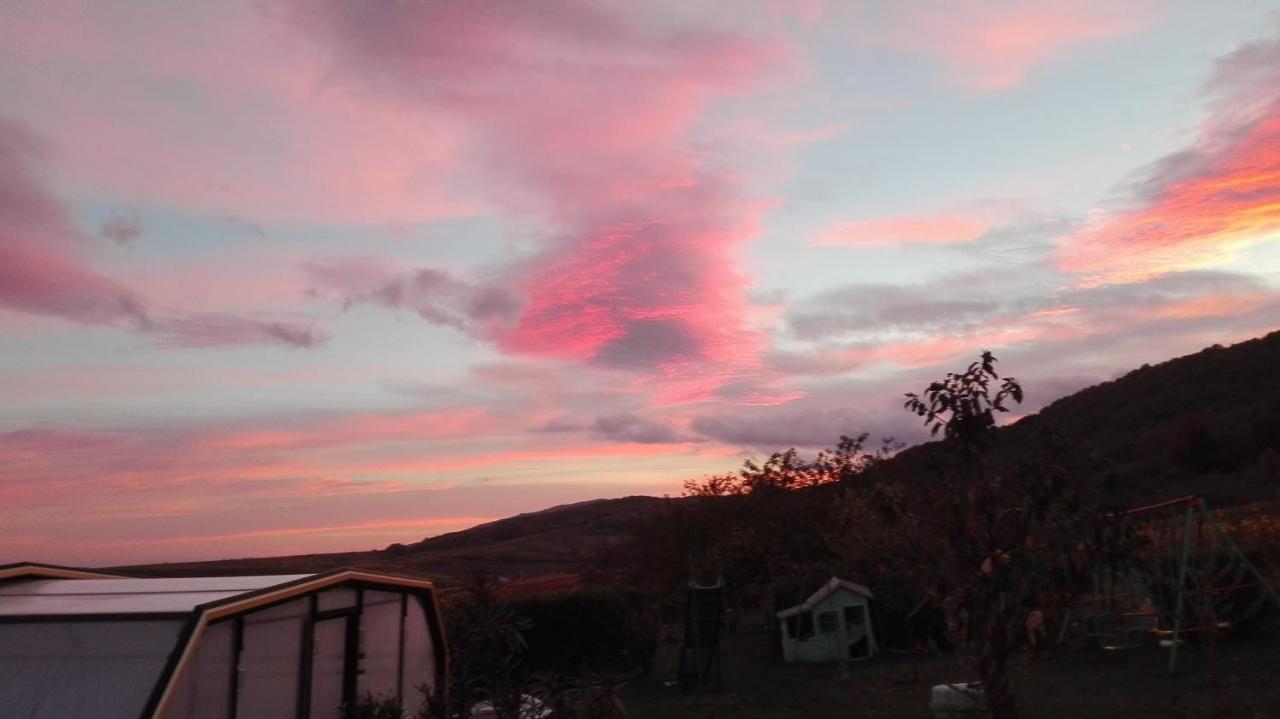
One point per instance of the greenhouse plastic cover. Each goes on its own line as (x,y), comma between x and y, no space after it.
(82,669)
(125,596)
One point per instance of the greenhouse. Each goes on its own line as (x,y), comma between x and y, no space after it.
(76,643)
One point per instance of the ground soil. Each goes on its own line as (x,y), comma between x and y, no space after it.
(1086,683)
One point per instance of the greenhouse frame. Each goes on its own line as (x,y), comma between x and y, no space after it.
(77,643)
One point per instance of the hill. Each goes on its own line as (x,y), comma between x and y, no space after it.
(1206,423)
(549,541)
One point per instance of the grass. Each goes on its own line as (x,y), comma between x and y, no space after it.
(1133,684)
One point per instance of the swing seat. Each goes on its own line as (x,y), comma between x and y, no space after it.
(1127,639)
(1190,630)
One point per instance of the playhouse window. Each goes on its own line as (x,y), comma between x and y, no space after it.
(827,622)
(855,616)
(800,626)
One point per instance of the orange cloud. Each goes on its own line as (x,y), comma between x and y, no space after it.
(1213,305)
(1230,201)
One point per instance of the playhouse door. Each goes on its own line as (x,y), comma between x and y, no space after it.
(855,627)
(332,660)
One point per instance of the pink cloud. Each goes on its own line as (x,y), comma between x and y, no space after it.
(31,444)
(583,117)
(358,429)
(904,230)
(247,123)
(988,45)
(42,271)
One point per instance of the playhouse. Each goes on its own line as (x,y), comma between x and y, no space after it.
(833,624)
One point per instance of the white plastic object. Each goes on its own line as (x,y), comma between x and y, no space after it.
(956,701)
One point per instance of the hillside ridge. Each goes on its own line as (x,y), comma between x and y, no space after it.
(1205,423)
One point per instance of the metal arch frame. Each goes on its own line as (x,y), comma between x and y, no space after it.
(38,570)
(237,606)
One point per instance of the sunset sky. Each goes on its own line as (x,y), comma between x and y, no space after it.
(282,277)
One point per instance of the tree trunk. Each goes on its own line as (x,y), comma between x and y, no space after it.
(996,691)
(993,667)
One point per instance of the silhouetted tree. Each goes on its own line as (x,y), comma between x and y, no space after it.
(1014,538)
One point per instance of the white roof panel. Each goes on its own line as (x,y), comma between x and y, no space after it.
(827,590)
(126,596)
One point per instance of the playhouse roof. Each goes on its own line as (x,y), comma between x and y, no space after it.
(827,590)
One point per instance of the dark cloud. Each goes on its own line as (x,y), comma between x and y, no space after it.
(218,329)
(863,326)
(557,426)
(1247,78)
(950,303)
(645,343)
(771,429)
(436,295)
(963,303)
(122,229)
(634,428)
(883,308)
(621,427)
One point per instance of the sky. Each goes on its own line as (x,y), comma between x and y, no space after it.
(288,277)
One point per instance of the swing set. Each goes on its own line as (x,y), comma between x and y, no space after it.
(1188,577)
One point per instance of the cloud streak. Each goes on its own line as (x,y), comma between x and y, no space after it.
(904,230)
(865,326)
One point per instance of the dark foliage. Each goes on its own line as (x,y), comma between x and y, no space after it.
(611,633)
(565,654)
(370,706)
